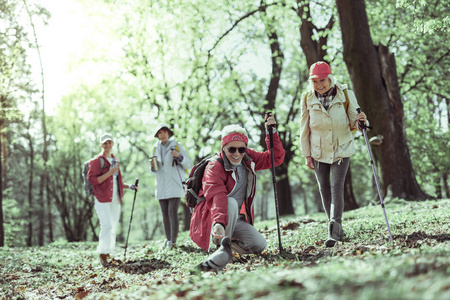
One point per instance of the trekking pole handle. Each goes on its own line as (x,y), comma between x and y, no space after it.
(270,129)
(268,114)
(361,123)
(137,182)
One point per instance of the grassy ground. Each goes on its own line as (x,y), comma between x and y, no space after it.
(415,265)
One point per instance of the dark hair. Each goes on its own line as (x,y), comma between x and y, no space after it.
(166,129)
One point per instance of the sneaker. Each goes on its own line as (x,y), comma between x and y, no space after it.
(218,260)
(167,244)
(104,259)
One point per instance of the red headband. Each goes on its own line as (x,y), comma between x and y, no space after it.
(234,136)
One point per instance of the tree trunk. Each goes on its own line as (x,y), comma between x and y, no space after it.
(313,50)
(349,197)
(283,187)
(30,194)
(284,190)
(49,214)
(373,73)
(305,202)
(263,207)
(445,184)
(41,211)
(437,184)
(44,188)
(2,229)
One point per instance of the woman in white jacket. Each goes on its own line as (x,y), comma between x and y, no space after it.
(169,162)
(328,116)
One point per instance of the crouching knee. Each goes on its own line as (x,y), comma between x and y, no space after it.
(259,246)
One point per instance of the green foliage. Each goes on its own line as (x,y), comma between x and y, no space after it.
(429,17)
(13,220)
(366,266)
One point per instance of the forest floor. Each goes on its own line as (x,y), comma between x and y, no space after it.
(367,265)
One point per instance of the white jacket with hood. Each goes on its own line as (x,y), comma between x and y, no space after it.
(169,176)
(325,135)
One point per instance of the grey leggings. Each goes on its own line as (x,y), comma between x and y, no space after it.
(169,209)
(332,190)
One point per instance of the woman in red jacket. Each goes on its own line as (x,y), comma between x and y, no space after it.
(108,192)
(227,214)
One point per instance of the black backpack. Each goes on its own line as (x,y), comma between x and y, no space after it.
(194,182)
(87,185)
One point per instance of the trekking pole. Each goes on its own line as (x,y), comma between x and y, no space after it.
(270,129)
(363,127)
(131,219)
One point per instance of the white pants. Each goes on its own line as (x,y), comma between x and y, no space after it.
(108,214)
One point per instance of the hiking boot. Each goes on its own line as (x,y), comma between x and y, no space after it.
(335,233)
(330,242)
(218,260)
(104,259)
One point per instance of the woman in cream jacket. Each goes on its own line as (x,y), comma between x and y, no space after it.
(327,121)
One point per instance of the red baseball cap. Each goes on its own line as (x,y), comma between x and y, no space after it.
(319,70)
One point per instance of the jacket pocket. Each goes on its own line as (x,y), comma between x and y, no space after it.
(339,115)
(316,146)
(345,144)
(315,116)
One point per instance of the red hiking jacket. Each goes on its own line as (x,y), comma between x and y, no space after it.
(218,181)
(103,191)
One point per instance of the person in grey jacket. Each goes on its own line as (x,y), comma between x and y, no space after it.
(328,117)
(169,162)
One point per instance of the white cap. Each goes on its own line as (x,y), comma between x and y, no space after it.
(106,137)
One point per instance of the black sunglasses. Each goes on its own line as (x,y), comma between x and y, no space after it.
(233,149)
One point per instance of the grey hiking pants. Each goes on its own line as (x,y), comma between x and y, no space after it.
(169,209)
(332,190)
(245,239)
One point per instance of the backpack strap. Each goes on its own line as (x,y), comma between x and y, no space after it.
(220,159)
(102,163)
(347,102)
(192,192)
